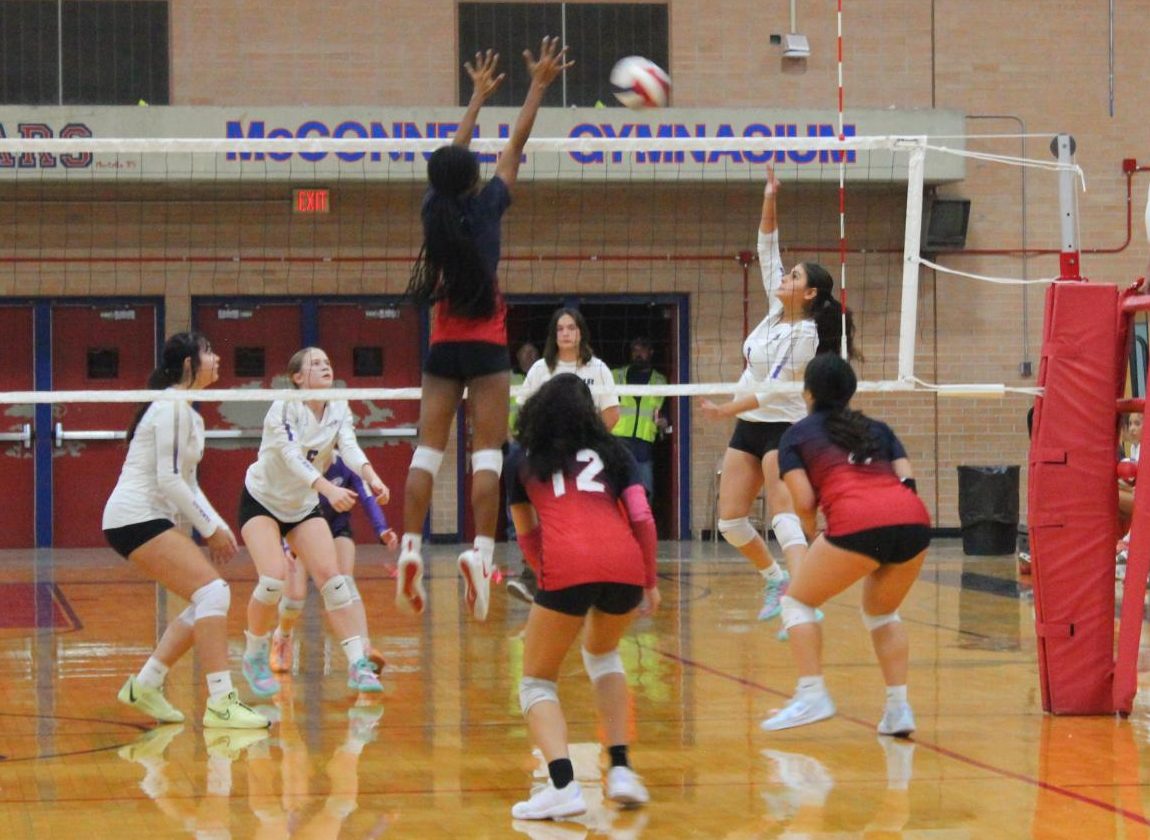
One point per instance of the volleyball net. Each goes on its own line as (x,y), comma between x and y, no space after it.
(267,245)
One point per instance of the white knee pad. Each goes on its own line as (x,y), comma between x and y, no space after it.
(487,459)
(788,530)
(533,690)
(355,596)
(268,590)
(427,459)
(212,599)
(738,532)
(796,612)
(337,592)
(291,606)
(599,665)
(188,616)
(873,622)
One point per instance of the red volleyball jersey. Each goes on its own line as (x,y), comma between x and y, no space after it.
(587,536)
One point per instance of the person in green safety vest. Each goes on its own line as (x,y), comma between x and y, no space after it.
(641,419)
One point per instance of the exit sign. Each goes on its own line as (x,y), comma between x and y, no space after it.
(311,201)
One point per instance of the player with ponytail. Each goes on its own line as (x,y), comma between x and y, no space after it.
(877,529)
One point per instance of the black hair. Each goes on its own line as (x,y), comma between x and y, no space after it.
(551,346)
(449,267)
(560,419)
(181,347)
(831,383)
(827,312)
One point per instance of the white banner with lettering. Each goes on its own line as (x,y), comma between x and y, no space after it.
(652,145)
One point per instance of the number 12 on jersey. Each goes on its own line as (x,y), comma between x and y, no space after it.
(585,480)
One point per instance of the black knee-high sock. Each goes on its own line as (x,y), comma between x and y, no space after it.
(562,772)
(618,755)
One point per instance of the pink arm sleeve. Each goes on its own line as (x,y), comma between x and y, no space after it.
(643,527)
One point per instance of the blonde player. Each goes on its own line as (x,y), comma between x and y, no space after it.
(157,487)
(280,502)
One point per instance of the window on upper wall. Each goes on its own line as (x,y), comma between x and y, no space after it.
(597,34)
(94,52)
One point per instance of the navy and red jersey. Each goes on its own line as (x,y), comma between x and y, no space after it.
(482,216)
(854,496)
(587,535)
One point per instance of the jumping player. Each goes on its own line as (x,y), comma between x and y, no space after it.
(456,272)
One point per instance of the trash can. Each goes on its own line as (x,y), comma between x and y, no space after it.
(988,509)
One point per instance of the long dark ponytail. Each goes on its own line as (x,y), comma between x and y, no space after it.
(827,312)
(449,267)
(181,347)
(831,382)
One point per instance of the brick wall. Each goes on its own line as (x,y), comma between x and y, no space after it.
(1047,71)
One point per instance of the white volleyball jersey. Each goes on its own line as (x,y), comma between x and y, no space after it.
(777,350)
(158,479)
(297,449)
(595,373)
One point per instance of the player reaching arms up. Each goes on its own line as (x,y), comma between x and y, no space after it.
(457,272)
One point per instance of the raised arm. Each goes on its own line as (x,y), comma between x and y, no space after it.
(484,83)
(769,223)
(552,61)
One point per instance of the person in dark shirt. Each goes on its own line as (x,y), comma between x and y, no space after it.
(457,273)
(877,529)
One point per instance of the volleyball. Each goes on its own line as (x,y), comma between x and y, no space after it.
(640,83)
(1127,470)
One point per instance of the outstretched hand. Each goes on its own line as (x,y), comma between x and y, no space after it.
(772,186)
(552,61)
(483,76)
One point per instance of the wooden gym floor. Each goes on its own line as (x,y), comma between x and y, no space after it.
(444,753)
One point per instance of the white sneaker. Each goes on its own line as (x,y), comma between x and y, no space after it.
(409,592)
(897,720)
(624,787)
(804,708)
(550,802)
(477,583)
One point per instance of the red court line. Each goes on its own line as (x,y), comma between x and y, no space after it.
(936,748)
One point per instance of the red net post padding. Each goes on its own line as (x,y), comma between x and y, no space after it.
(1073,502)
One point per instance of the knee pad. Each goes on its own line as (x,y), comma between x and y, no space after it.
(738,532)
(268,590)
(487,459)
(291,606)
(873,622)
(533,690)
(355,596)
(796,612)
(427,459)
(788,530)
(599,665)
(212,599)
(188,616)
(337,592)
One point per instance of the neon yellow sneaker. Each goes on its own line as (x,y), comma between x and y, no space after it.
(150,745)
(229,713)
(230,745)
(149,701)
